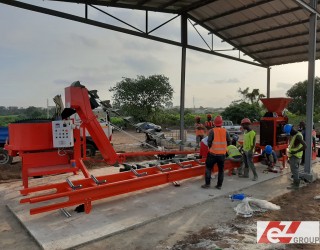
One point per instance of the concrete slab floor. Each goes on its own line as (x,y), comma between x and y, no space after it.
(112,216)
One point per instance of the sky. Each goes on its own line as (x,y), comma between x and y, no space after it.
(40,55)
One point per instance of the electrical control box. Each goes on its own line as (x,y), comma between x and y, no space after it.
(62,133)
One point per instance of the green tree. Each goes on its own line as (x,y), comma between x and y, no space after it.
(298,92)
(142,97)
(253,97)
(34,112)
(237,111)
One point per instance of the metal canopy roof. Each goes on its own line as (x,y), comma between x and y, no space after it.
(272,32)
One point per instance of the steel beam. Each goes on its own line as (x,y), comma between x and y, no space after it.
(312,9)
(196,5)
(284,47)
(116,4)
(259,19)
(268,82)
(310,91)
(286,55)
(246,7)
(116,28)
(184,42)
(97,188)
(212,52)
(269,29)
(142,2)
(163,6)
(231,43)
(274,39)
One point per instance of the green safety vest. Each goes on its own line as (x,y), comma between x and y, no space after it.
(248,139)
(291,147)
(233,151)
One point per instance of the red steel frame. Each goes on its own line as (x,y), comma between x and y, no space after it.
(89,189)
(116,184)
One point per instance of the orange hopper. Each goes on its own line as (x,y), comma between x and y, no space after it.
(276,105)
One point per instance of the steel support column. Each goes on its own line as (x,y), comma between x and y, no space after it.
(268,82)
(310,91)
(184,42)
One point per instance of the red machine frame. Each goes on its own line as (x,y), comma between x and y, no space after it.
(275,136)
(90,188)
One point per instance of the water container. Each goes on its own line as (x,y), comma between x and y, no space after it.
(237,196)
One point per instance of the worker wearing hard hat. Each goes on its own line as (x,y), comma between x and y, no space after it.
(218,140)
(209,123)
(269,157)
(200,130)
(302,130)
(233,152)
(296,147)
(249,143)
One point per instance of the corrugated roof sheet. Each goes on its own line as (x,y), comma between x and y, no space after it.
(272,32)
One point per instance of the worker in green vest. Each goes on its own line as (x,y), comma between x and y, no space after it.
(249,143)
(233,152)
(296,147)
(235,155)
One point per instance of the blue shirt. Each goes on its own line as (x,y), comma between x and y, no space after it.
(271,157)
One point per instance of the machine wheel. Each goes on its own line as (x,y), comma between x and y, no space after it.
(91,150)
(138,130)
(4,157)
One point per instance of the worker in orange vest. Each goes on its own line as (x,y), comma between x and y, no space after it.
(218,140)
(209,123)
(200,130)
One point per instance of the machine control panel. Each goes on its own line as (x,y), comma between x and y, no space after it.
(62,134)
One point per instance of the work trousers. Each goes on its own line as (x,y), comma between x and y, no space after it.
(210,162)
(237,158)
(198,139)
(294,166)
(248,164)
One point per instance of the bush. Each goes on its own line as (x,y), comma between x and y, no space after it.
(119,122)
(5,120)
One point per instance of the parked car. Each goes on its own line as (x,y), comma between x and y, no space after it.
(143,126)
(232,129)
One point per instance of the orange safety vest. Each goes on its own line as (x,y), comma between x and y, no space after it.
(208,124)
(199,129)
(219,144)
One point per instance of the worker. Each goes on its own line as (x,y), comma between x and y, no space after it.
(234,154)
(209,123)
(200,130)
(269,157)
(204,148)
(235,139)
(249,142)
(302,130)
(296,147)
(218,140)
(314,138)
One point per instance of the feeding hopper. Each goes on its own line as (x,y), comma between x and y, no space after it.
(276,104)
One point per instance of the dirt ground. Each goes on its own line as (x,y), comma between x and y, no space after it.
(239,233)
